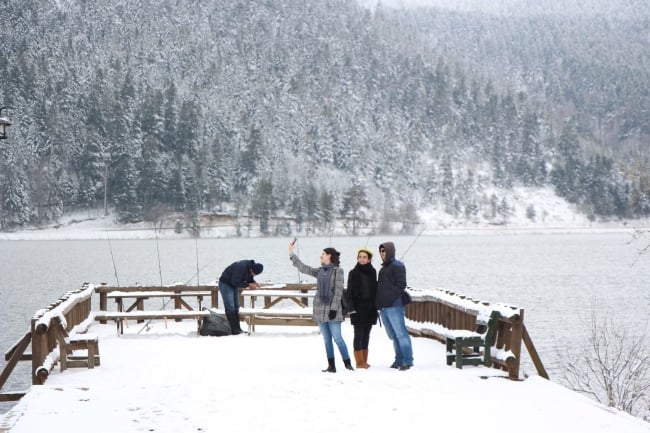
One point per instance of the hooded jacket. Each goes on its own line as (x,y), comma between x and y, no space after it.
(391,281)
(238,274)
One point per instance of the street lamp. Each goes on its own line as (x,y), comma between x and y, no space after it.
(4,123)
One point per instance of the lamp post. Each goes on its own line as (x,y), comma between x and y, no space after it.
(4,123)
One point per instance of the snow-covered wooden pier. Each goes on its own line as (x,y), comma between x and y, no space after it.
(164,377)
(433,314)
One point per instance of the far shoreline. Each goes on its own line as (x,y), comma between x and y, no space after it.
(117,232)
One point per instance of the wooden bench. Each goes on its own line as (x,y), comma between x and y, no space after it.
(277,316)
(464,347)
(138,297)
(69,343)
(281,317)
(178,293)
(122,317)
(274,296)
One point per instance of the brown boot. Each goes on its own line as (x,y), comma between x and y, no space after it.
(358,358)
(361,362)
(365,357)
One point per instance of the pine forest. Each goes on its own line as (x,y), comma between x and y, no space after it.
(316,111)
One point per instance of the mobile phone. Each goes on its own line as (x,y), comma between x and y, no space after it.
(293,242)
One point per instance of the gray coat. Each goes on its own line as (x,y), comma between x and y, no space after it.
(321,310)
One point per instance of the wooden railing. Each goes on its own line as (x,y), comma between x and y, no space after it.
(13,355)
(431,312)
(434,311)
(74,308)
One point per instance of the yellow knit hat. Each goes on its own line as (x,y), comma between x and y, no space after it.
(365,250)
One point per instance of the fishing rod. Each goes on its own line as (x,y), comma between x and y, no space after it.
(155,234)
(368,239)
(196,274)
(110,247)
(196,250)
(414,241)
(164,304)
(146,325)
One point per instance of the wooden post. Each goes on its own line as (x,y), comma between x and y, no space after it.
(214,298)
(177,306)
(304,300)
(15,357)
(533,354)
(140,306)
(39,352)
(515,343)
(103,304)
(177,301)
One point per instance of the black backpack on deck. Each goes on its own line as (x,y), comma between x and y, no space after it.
(215,324)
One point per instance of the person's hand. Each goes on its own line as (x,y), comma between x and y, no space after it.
(332,314)
(292,247)
(253,286)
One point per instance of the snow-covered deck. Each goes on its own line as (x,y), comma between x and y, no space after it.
(168,379)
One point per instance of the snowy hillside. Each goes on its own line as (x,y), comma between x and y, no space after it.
(552,214)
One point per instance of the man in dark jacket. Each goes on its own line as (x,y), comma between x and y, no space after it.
(238,275)
(391,283)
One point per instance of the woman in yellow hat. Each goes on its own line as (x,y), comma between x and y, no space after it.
(362,289)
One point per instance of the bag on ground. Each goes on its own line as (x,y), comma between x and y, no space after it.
(215,325)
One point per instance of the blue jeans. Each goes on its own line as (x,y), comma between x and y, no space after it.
(230,297)
(393,319)
(329,331)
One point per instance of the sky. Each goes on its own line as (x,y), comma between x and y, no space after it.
(173,380)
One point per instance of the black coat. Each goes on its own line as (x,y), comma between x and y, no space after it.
(362,289)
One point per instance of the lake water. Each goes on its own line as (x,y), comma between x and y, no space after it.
(558,279)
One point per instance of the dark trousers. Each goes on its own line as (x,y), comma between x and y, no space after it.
(361,336)
(230,297)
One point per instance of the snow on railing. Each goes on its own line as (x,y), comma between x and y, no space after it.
(73,310)
(62,307)
(435,312)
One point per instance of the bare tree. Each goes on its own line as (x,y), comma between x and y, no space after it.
(640,235)
(614,367)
